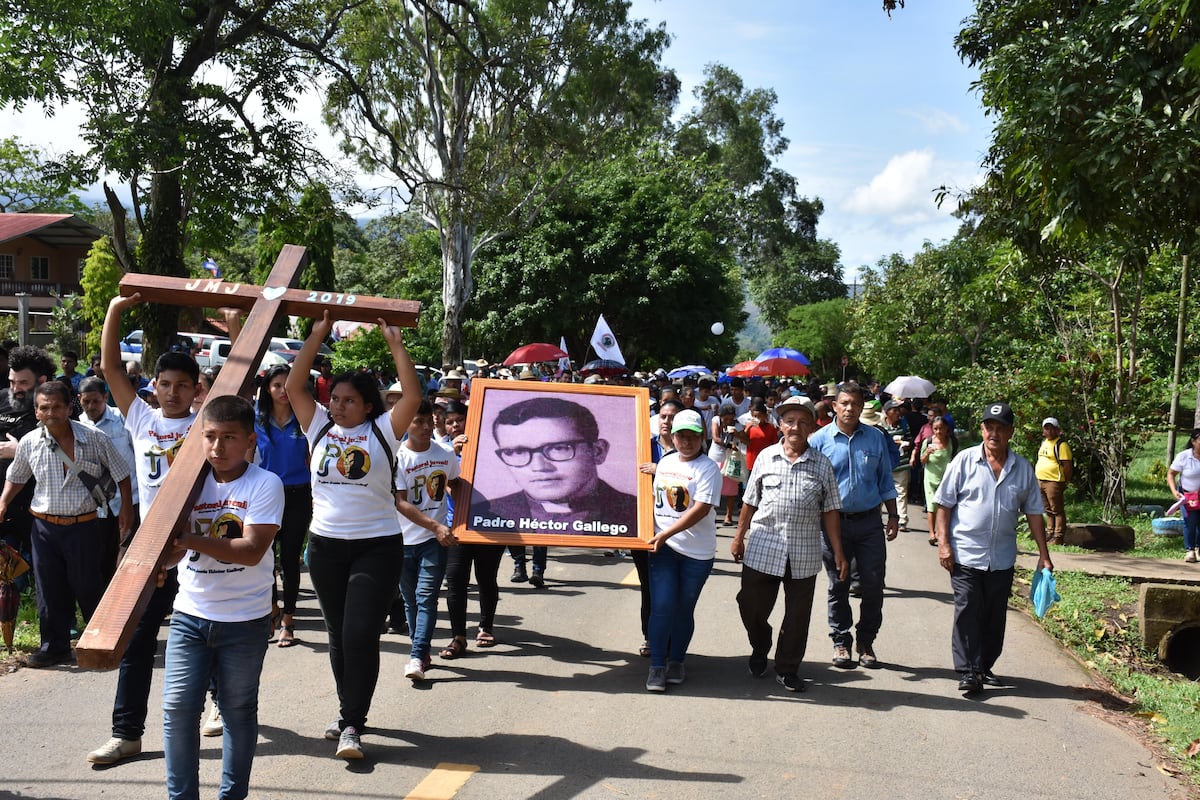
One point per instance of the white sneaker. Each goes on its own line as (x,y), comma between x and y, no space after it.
(349,745)
(333,731)
(114,750)
(415,671)
(1190,557)
(214,725)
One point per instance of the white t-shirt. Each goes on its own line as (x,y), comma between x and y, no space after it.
(678,485)
(425,477)
(707,408)
(217,590)
(156,442)
(1188,467)
(352,483)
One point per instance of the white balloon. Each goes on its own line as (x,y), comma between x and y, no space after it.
(718,328)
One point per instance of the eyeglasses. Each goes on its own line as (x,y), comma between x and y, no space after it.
(554,451)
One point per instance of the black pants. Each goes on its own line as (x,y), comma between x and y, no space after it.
(289,541)
(68,569)
(137,664)
(756,600)
(641,562)
(486,558)
(980,612)
(355,580)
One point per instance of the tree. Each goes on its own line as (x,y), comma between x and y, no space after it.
(187,104)
(736,130)
(29,181)
(100,281)
(642,238)
(821,331)
(465,103)
(309,223)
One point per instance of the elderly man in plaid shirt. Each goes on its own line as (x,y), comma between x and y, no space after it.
(67,546)
(791,493)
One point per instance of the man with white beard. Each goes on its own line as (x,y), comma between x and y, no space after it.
(28,368)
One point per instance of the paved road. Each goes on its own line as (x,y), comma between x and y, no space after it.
(558,710)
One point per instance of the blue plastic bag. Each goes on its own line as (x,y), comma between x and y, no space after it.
(1044,593)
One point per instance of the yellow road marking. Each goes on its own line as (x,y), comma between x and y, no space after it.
(443,782)
(631,579)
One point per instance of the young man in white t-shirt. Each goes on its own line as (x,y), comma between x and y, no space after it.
(222,615)
(426,473)
(157,435)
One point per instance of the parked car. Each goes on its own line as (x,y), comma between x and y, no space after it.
(218,354)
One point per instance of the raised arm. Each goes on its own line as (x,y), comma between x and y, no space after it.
(110,351)
(303,404)
(406,408)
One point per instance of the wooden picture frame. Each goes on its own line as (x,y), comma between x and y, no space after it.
(513,503)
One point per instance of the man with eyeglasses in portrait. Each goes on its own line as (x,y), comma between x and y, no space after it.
(553,450)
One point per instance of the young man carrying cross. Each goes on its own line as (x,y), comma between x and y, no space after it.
(157,436)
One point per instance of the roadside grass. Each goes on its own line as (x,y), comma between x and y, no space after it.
(1097,620)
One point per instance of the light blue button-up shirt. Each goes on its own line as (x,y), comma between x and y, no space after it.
(983,523)
(861,463)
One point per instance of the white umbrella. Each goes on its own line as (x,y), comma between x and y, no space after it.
(909,386)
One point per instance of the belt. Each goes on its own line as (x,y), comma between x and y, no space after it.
(860,514)
(53,520)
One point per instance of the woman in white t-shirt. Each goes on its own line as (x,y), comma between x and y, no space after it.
(355,549)
(687,485)
(1184,476)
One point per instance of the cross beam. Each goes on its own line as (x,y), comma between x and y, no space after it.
(108,632)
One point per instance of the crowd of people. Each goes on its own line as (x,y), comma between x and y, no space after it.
(353,476)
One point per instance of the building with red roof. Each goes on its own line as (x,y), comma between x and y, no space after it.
(42,255)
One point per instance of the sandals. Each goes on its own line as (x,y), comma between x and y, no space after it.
(485,639)
(456,648)
(287,637)
(644,650)
(933,541)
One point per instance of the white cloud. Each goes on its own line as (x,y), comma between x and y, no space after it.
(753,31)
(936,121)
(900,192)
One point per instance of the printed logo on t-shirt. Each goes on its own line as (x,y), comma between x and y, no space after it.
(159,458)
(352,462)
(226,526)
(432,486)
(676,497)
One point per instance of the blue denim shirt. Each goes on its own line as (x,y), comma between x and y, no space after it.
(861,463)
(983,524)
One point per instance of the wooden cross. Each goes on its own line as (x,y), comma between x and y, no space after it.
(108,632)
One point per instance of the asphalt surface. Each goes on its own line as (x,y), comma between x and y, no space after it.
(558,709)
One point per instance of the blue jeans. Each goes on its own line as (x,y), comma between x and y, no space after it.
(1191,528)
(864,545)
(675,584)
(420,586)
(197,650)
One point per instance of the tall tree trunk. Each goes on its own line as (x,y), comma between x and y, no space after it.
(457,239)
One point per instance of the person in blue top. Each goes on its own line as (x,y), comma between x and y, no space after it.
(863,467)
(283,450)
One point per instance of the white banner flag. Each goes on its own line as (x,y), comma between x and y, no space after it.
(605,343)
(564,363)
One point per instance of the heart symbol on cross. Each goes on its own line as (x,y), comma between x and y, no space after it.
(273,292)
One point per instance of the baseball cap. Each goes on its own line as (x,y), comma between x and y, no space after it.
(890,404)
(794,402)
(1051,421)
(687,421)
(1000,412)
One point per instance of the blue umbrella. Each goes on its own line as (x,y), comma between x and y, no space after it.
(784,352)
(690,369)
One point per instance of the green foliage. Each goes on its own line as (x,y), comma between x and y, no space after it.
(101,277)
(32,183)
(821,331)
(641,239)
(367,349)
(466,104)
(66,323)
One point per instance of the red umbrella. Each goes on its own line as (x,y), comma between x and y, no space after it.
(779,367)
(532,353)
(743,369)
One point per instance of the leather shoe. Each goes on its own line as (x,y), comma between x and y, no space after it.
(988,678)
(866,657)
(841,657)
(519,574)
(790,681)
(970,683)
(46,658)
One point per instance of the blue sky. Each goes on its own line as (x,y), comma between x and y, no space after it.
(879,112)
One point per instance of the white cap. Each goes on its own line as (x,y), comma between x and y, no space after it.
(688,421)
(1051,421)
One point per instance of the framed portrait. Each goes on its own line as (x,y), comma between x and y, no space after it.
(555,464)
